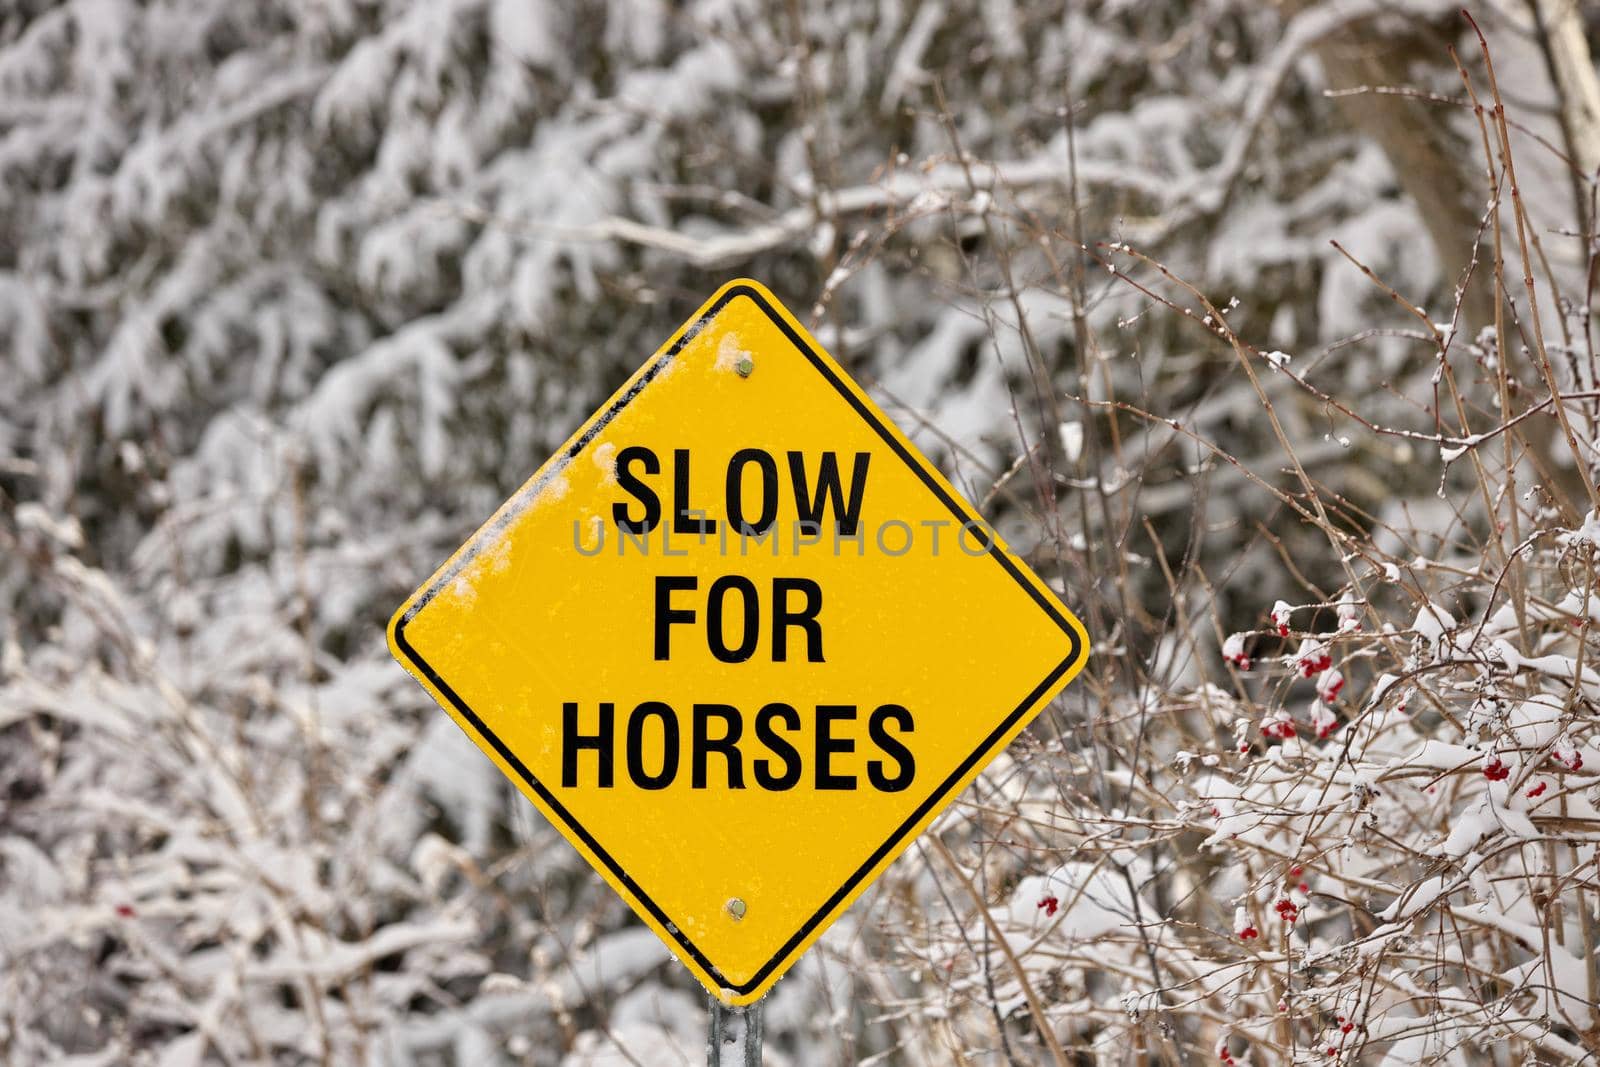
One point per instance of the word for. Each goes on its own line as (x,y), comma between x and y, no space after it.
(785,616)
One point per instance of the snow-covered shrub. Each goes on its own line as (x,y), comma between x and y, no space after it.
(1359,824)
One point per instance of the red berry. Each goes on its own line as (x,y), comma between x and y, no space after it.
(1538,790)
(1496,771)
(1280,728)
(125,910)
(1233,651)
(1315,664)
(1049,904)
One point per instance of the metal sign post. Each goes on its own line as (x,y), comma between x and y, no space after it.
(735,1039)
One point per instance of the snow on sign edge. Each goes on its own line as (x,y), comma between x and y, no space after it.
(511,766)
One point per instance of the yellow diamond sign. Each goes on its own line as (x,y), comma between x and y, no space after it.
(739,641)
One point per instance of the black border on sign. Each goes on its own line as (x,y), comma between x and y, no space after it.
(912,461)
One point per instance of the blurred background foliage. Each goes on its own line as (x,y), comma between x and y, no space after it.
(294,292)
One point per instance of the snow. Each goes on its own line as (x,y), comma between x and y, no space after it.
(289,304)
(1453,452)
(1432,621)
(1440,756)
(526,31)
(1586,534)
(1535,723)
(1071,440)
(1100,903)
(1465,833)
(1233,650)
(64,531)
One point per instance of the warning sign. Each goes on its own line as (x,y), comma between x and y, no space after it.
(739,641)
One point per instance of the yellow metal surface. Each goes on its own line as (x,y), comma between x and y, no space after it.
(764,766)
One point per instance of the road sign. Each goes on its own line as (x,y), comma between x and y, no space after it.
(739,641)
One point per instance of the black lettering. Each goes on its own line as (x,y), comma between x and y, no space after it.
(805,618)
(779,747)
(666,614)
(653,709)
(809,503)
(714,622)
(572,742)
(727,745)
(735,490)
(629,482)
(828,746)
(681,521)
(892,748)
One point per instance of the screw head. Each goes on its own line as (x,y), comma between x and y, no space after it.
(736,908)
(745,366)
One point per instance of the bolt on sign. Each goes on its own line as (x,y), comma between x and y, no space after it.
(739,641)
